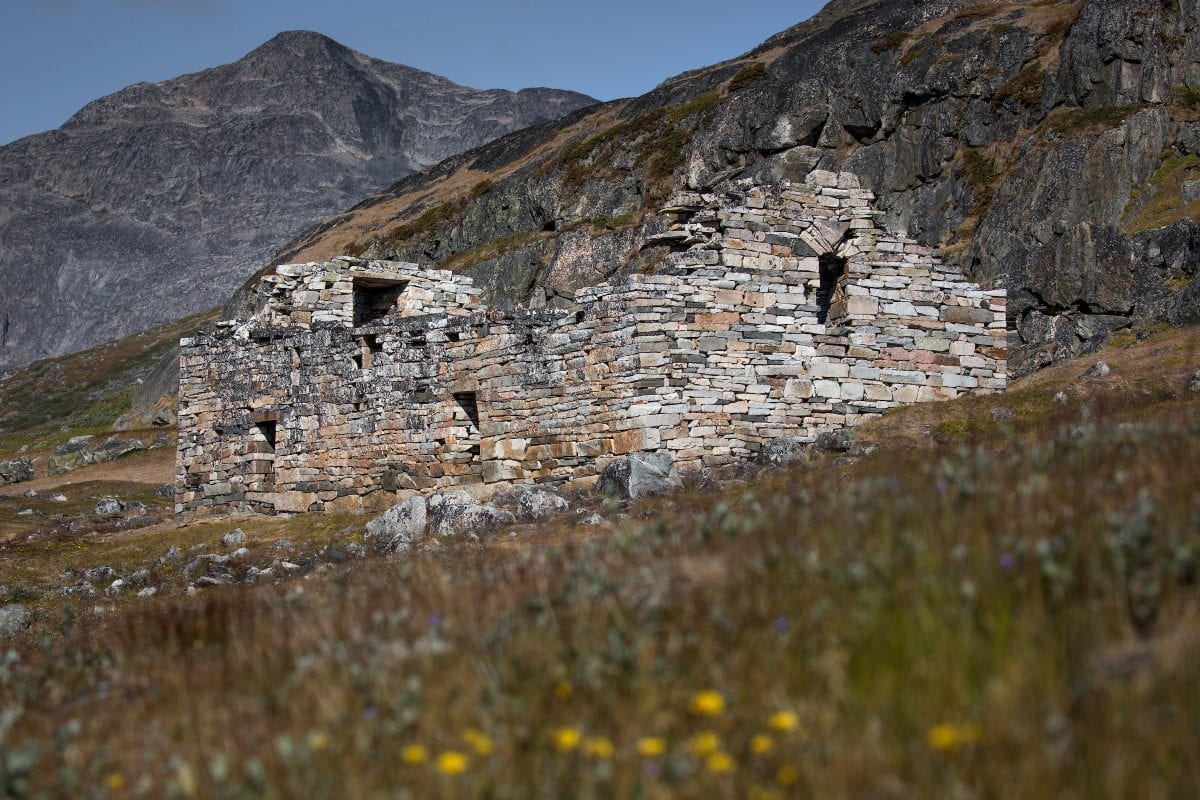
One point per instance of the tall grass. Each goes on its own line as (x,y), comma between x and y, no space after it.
(1010,613)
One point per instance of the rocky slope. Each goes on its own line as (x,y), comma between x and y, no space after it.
(161,199)
(1049,146)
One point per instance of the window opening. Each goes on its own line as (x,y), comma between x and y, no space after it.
(267,430)
(375,300)
(368,348)
(831,290)
(466,401)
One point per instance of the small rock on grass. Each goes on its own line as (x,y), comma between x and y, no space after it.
(13,619)
(234,538)
(108,507)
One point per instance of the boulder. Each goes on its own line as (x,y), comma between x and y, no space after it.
(537,504)
(74,454)
(114,447)
(173,555)
(200,564)
(640,475)
(840,440)
(98,574)
(400,527)
(108,507)
(16,470)
(783,451)
(13,619)
(461,514)
(234,538)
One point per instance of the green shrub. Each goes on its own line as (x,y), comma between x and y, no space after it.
(981,174)
(1187,98)
(1068,122)
(747,76)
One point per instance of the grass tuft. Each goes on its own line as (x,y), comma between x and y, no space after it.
(1079,121)
(893,41)
(1024,89)
(981,174)
(746,76)
(1160,203)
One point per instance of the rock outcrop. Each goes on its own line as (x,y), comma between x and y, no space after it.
(1046,147)
(16,470)
(161,199)
(79,452)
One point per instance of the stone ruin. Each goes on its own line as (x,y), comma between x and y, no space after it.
(780,311)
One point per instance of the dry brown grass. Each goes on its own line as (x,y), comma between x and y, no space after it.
(1006,607)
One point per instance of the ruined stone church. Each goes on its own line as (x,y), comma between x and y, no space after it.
(782,311)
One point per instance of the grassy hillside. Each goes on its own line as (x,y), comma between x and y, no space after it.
(57,398)
(993,597)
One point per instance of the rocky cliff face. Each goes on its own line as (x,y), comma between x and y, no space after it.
(1050,147)
(161,199)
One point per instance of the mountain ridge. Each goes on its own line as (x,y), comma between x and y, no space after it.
(158,200)
(1043,145)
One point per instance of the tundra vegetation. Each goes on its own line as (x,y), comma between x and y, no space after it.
(991,596)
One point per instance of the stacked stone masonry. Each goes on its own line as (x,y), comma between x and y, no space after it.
(778,311)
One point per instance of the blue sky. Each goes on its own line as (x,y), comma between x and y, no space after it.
(56,55)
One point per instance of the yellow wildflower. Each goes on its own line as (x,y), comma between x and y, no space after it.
(708,703)
(719,762)
(761,793)
(452,762)
(598,747)
(761,744)
(651,746)
(704,744)
(479,741)
(563,691)
(948,737)
(787,775)
(566,739)
(318,741)
(783,721)
(115,781)
(414,754)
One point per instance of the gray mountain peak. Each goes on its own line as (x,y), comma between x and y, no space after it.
(158,200)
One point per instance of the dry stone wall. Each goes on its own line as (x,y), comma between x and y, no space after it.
(778,311)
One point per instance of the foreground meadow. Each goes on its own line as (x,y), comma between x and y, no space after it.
(994,597)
